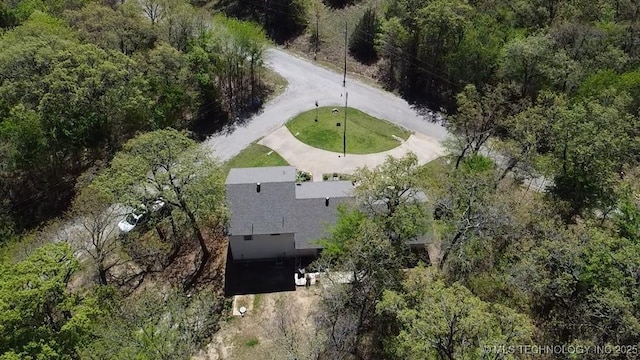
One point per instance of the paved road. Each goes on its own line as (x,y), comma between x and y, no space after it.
(309,83)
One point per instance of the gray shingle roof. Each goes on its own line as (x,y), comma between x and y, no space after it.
(320,190)
(313,218)
(281,206)
(261,175)
(269,211)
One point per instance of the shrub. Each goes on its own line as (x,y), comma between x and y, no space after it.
(303,176)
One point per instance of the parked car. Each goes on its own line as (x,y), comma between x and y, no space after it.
(140,215)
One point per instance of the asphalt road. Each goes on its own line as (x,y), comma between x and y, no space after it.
(308,83)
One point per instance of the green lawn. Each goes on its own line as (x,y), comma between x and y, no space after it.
(365,134)
(255,156)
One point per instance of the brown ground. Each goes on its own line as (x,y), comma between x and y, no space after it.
(260,333)
(331,30)
(132,278)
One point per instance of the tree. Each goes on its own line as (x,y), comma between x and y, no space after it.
(169,326)
(362,42)
(448,322)
(167,164)
(444,23)
(475,58)
(348,311)
(523,62)
(169,81)
(97,215)
(390,44)
(390,196)
(526,134)
(591,142)
(284,19)
(154,10)
(122,28)
(40,318)
(347,224)
(479,118)
(66,104)
(464,208)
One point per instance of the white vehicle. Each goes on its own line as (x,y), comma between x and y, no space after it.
(139,216)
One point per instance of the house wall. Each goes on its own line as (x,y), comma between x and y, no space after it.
(262,246)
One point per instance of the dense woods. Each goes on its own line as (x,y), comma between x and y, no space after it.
(536,93)
(77,82)
(532,219)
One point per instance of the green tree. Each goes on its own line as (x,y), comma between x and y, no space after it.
(390,44)
(362,41)
(167,164)
(465,216)
(390,196)
(169,326)
(444,23)
(63,105)
(433,30)
(591,141)
(39,317)
(523,61)
(122,28)
(347,312)
(345,229)
(284,19)
(370,244)
(479,118)
(169,81)
(448,322)
(474,60)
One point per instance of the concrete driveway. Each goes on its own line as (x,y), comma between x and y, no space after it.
(317,161)
(308,83)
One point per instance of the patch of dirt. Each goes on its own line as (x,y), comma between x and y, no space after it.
(331,30)
(240,301)
(132,278)
(259,333)
(434,253)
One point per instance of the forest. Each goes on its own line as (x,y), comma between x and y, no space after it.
(97,95)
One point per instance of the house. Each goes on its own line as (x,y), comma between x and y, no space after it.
(272,216)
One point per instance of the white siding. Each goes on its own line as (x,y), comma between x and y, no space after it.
(262,246)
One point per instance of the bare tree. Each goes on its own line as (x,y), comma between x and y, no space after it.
(153,10)
(295,337)
(95,232)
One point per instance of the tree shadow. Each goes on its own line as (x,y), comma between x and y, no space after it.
(426,111)
(338,4)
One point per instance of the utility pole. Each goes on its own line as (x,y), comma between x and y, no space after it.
(316,110)
(344,79)
(344,129)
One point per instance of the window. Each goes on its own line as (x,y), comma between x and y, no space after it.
(248,237)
